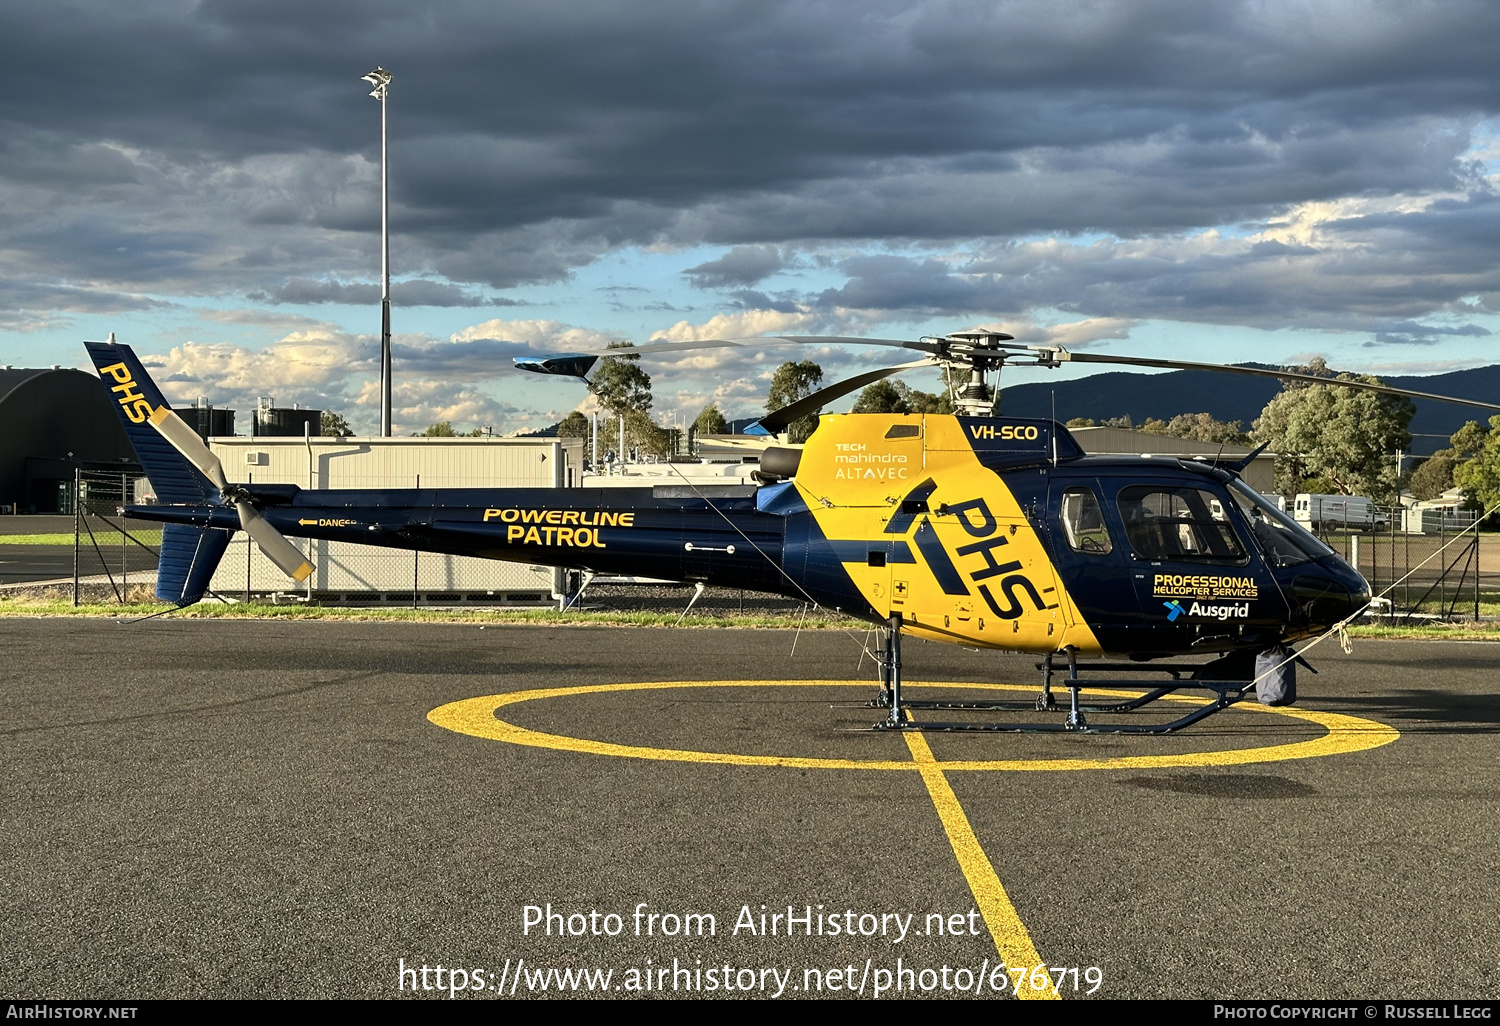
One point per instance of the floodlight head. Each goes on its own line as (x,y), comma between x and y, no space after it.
(380,79)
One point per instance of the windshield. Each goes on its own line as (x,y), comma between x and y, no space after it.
(1284,541)
(1178,522)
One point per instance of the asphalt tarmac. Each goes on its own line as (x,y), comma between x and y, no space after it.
(264,809)
(25,564)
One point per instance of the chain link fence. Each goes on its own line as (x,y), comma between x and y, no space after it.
(1422,567)
(1428,566)
(113,559)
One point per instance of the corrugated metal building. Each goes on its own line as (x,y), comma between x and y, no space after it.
(361,574)
(54,423)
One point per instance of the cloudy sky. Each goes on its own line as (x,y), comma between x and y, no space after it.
(1258,180)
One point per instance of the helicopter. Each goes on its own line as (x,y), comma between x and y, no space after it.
(970,528)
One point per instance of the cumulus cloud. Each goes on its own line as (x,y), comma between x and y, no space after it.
(537,335)
(1345,270)
(412,292)
(415,404)
(324,368)
(468,378)
(741,266)
(271,319)
(1071,334)
(1260,163)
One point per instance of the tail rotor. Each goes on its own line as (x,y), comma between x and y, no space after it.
(272,542)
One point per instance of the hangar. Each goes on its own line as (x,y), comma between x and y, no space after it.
(53,423)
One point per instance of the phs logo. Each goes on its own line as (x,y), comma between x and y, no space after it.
(127,393)
(980,524)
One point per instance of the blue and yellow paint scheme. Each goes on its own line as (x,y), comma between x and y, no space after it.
(954,524)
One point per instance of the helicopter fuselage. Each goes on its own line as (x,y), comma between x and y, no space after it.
(988,532)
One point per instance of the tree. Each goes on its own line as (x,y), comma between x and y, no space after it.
(645,435)
(1468,441)
(790,382)
(711,421)
(1080,422)
(889,396)
(442,429)
(1200,427)
(927,402)
(1344,435)
(1479,476)
(331,423)
(1434,476)
(625,389)
(576,425)
(620,383)
(881,397)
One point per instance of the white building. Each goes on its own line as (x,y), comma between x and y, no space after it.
(364,574)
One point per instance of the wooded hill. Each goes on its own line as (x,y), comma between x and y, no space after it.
(1233,397)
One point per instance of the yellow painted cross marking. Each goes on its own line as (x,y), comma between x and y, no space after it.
(477,717)
(1009,933)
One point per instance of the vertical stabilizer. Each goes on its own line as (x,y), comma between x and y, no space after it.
(136,398)
(189,556)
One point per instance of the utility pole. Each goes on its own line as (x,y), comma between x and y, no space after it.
(381,80)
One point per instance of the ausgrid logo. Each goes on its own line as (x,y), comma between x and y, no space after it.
(1174,610)
(1218,612)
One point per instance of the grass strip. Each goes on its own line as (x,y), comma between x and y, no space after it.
(152,538)
(211,610)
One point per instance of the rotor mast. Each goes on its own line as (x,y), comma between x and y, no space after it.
(979,352)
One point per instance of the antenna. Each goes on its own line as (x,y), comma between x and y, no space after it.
(1054,429)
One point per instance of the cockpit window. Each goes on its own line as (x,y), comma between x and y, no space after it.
(1083,522)
(1284,541)
(1171,522)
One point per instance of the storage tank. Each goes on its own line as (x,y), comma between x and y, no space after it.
(273,421)
(206,420)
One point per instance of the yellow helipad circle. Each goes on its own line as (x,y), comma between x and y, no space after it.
(477,717)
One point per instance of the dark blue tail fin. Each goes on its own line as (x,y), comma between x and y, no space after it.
(136,397)
(189,556)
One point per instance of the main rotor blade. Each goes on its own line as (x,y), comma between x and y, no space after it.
(777,420)
(273,543)
(1140,361)
(186,441)
(755,342)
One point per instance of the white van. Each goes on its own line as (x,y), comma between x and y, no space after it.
(1333,511)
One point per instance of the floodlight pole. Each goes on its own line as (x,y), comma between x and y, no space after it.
(381,80)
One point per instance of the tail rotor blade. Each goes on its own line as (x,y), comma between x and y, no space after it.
(186,441)
(273,543)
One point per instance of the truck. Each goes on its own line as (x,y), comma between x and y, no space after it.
(1346,511)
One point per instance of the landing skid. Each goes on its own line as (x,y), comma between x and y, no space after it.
(1226,693)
